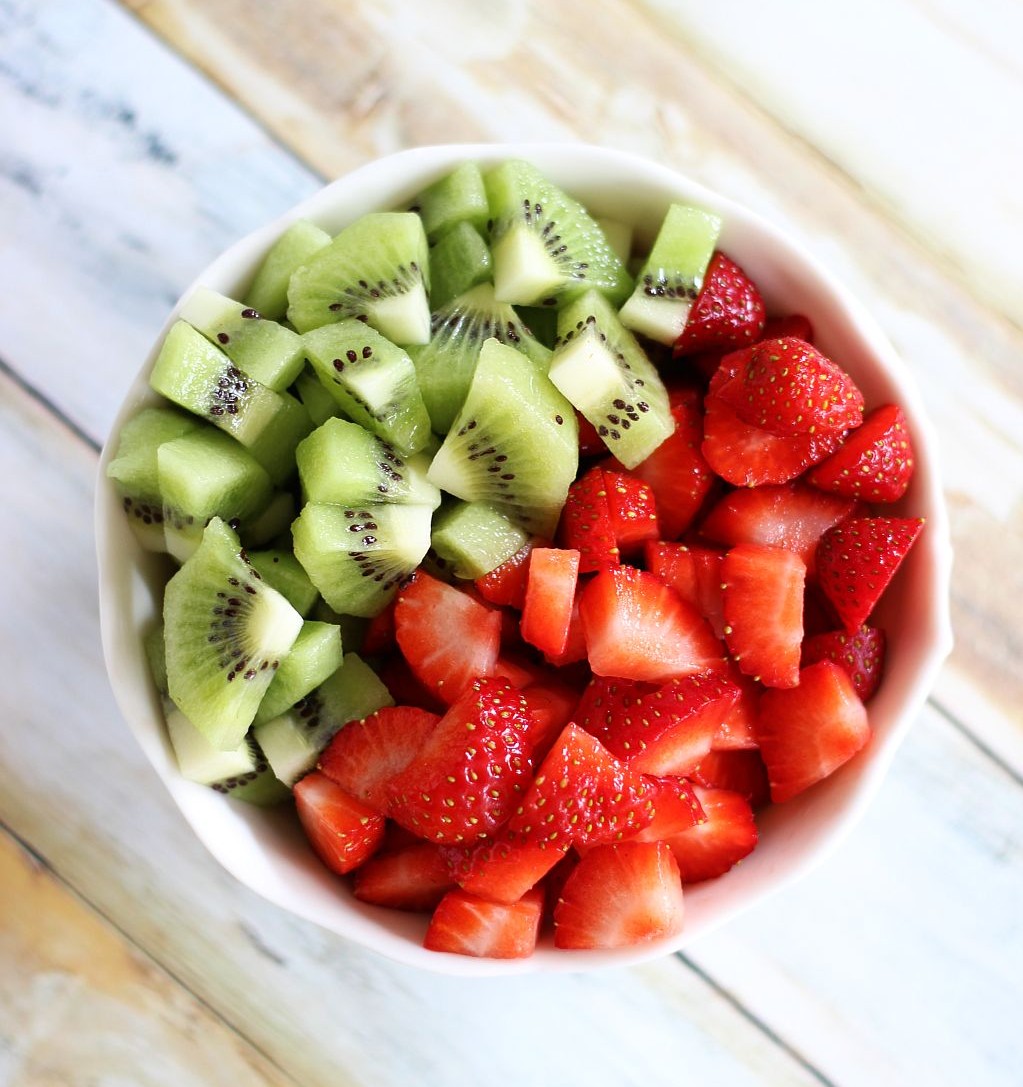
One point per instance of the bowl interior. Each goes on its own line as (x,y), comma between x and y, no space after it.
(266,850)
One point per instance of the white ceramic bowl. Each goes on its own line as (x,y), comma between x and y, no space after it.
(266,851)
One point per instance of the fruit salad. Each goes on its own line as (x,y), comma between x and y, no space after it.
(528,561)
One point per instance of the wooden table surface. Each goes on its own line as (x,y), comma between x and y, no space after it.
(138,139)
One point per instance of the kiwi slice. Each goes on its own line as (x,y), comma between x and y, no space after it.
(544,243)
(670,280)
(341,462)
(316,654)
(459,261)
(226,634)
(206,474)
(293,741)
(475,537)
(242,773)
(282,571)
(316,400)
(458,197)
(444,366)
(357,557)
(266,351)
(272,523)
(268,292)
(514,443)
(375,270)
(134,469)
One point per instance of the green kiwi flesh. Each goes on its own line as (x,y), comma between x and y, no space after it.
(514,442)
(282,571)
(670,279)
(458,197)
(376,270)
(268,292)
(316,654)
(544,243)
(226,633)
(459,261)
(475,537)
(604,372)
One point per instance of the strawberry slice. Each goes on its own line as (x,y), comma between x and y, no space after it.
(591,444)
(447,636)
(747,456)
(638,628)
(342,832)
(585,524)
(581,795)
(415,877)
(463,924)
(728,310)
(550,598)
(861,654)
(468,774)
(505,585)
(633,511)
(378,637)
(677,470)
(364,756)
(676,808)
(736,730)
(874,464)
(727,834)
(620,895)
(789,515)
(857,559)
(795,325)
(657,730)
(763,603)
(809,731)
(406,688)
(787,387)
(552,703)
(737,771)
(503,871)
(694,573)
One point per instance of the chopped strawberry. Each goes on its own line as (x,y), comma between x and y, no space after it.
(503,871)
(747,456)
(591,444)
(694,573)
(737,771)
(763,601)
(575,642)
(638,628)
(788,387)
(447,636)
(657,729)
(365,755)
(342,832)
(809,731)
(468,775)
(789,515)
(406,688)
(517,668)
(415,877)
(505,585)
(676,808)
(630,502)
(874,464)
(736,730)
(581,795)
(585,524)
(464,924)
(728,310)
(857,559)
(861,654)
(550,596)
(677,470)
(792,324)
(620,895)
(552,703)
(727,834)
(378,638)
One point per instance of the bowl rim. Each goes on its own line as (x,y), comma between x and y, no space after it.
(125,573)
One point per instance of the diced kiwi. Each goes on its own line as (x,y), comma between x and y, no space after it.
(376,270)
(273,523)
(293,741)
(544,243)
(316,654)
(475,537)
(264,349)
(358,557)
(134,469)
(605,374)
(156,656)
(514,442)
(317,401)
(283,572)
(341,462)
(619,237)
(444,366)
(195,374)
(242,773)
(459,261)
(268,292)
(542,322)
(206,474)
(458,197)
(373,380)
(670,280)
(226,634)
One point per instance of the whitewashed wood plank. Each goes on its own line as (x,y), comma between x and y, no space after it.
(79,791)
(79,1005)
